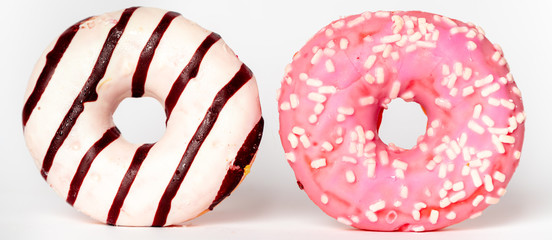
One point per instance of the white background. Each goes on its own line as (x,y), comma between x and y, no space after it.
(268,204)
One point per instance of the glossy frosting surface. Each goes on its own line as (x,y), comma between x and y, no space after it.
(340,82)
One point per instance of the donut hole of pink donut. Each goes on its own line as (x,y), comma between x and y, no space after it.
(402,124)
(332,98)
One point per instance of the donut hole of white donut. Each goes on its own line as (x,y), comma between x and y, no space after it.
(140,120)
(402,124)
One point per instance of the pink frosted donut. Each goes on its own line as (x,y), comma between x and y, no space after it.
(214,122)
(332,99)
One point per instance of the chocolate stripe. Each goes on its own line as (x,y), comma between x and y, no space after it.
(108,137)
(139,77)
(243,158)
(126,183)
(88,92)
(52,60)
(239,79)
(189,72)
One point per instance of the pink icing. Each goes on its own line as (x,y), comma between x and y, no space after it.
(331,103)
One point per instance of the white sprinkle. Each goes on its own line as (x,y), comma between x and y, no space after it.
(404,192)
(507,104)
(313,118)
(290,156)
(491,200)
(467,91)
(379,205)
(343,43)
(379,75)
(475,163)
(496,56)
(444,103)
(372,217)
(458,69)
(490,89)
(327,90)
(422,25)
(486,163)
(435,35)
(476,179)
(379,48)
(369,135)
(457,196)
(499,131)
(346,110)
(471,45)
(410,48)
(369,78)
(477,111)
(488,181)
(298,130)
(484,154)
(471,33)
(383,157)
(499,176)
(327,146)
(484,81)
(340,117)
(305,141)
(517,154)
(449,21)
(330,66)
(445,202)
(395,88)
(329,32)
(364,101)
(382,14)
(391,38)
(350,176)
(467,73)
(476,215)
(501,192)
(303,76)
(349,159)
(355,219)
(425,44)
(407,96)
(512,124)
(420,205)
(475,127)
(370,61)
(318,163)
(520,117)
(487,120)
(465,170)
(329,52)
(317,56)
(316,97)
(398,23)
(339,140)
(324,199)
(450,80)
(493,101)
(285,106)
(402,42)
(416,215)
(371,166)
(314,82)
(418,228)
(344,221)
(338,24)
(293,140)
(463,139)
(445,70)
(433,216)
(451,216)
(458,186)
(423,147)
(516,91)
(498,144)
(477,200)
(450,154)
(294,100)
(442,171)
(415,37)
(356,21)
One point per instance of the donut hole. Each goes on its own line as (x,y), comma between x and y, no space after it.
(402,124)
(140,120)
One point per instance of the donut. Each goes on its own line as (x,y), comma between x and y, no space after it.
(331,102)
(213,117)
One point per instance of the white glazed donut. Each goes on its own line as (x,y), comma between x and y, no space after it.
(214,122)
